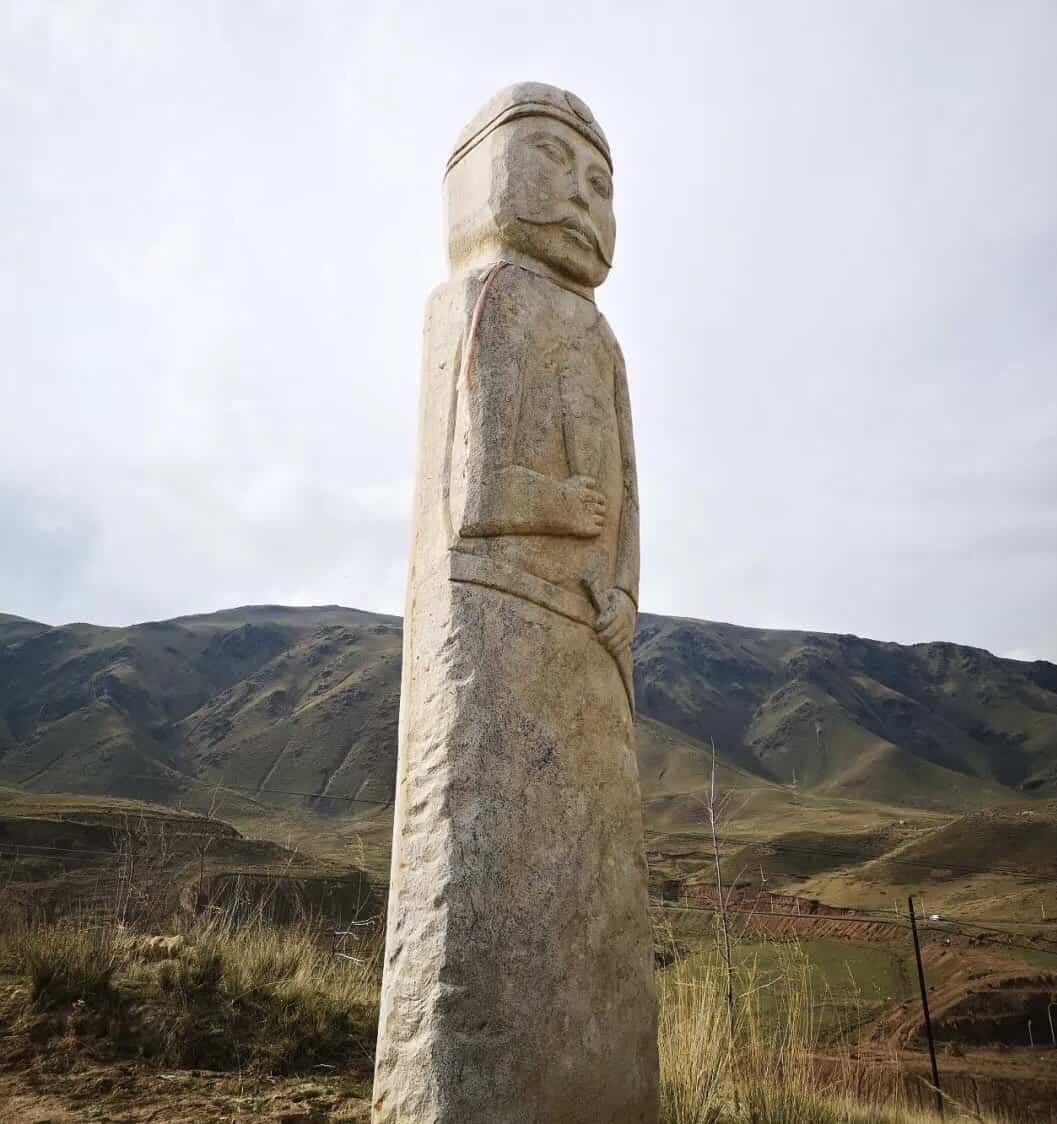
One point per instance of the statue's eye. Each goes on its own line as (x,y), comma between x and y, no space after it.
(550,149)
(603,185)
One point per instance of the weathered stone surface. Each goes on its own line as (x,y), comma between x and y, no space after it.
(518,981)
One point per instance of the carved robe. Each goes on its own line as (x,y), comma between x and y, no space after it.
(519,973)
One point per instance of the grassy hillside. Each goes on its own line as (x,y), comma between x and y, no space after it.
(241,765)
(320,717)
(88,857)
(270,700)
(998,864)
(18,628)
(91,709)
(845,715)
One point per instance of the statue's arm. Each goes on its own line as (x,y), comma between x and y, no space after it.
(627,561)
(490,494)
(516,500)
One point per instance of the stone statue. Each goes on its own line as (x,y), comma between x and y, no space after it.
(518,983)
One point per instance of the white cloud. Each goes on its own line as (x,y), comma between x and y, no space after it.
(836,272)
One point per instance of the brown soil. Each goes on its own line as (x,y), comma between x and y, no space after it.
(756,914)
(56,1080)
(1020,1081)
(1020,1084)
(976,1000)
(131,1093)
(150,868)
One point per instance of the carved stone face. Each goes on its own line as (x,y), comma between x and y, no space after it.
(536,190)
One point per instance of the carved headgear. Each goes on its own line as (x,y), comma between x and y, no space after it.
(531,99)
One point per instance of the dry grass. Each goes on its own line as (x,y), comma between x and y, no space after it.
(64,963)
(249,998)
(261,999)
(779,1068)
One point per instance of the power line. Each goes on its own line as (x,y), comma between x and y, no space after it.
(750,913)
(34,850)
(920,863)
(861,916)
(728,839)
(836,918)
(887,916)
(886,911)
(732,840)
(28,848)
(256,791)
(778,845)
(989,928)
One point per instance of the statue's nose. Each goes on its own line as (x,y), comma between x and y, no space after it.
(577,193)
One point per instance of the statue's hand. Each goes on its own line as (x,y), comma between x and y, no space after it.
(585,506)
(616,621)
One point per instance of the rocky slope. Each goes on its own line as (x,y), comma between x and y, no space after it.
(276,700)
(859,717)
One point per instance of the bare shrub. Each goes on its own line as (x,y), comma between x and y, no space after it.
(65,963)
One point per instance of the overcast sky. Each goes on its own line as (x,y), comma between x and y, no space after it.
(835,285)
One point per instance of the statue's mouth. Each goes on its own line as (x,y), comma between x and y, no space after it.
(577,230)
(580,232)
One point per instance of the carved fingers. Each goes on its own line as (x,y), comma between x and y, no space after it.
(616,622)
(587,506)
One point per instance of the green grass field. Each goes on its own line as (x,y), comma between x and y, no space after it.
(847,983)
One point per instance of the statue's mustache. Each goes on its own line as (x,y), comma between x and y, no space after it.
(571,222)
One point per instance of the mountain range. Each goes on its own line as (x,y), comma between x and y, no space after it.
(303,702)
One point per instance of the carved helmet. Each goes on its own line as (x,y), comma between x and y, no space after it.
(531,99)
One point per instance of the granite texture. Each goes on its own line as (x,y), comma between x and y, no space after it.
(518,985)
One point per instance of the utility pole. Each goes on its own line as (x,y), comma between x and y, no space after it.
(925,1008)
